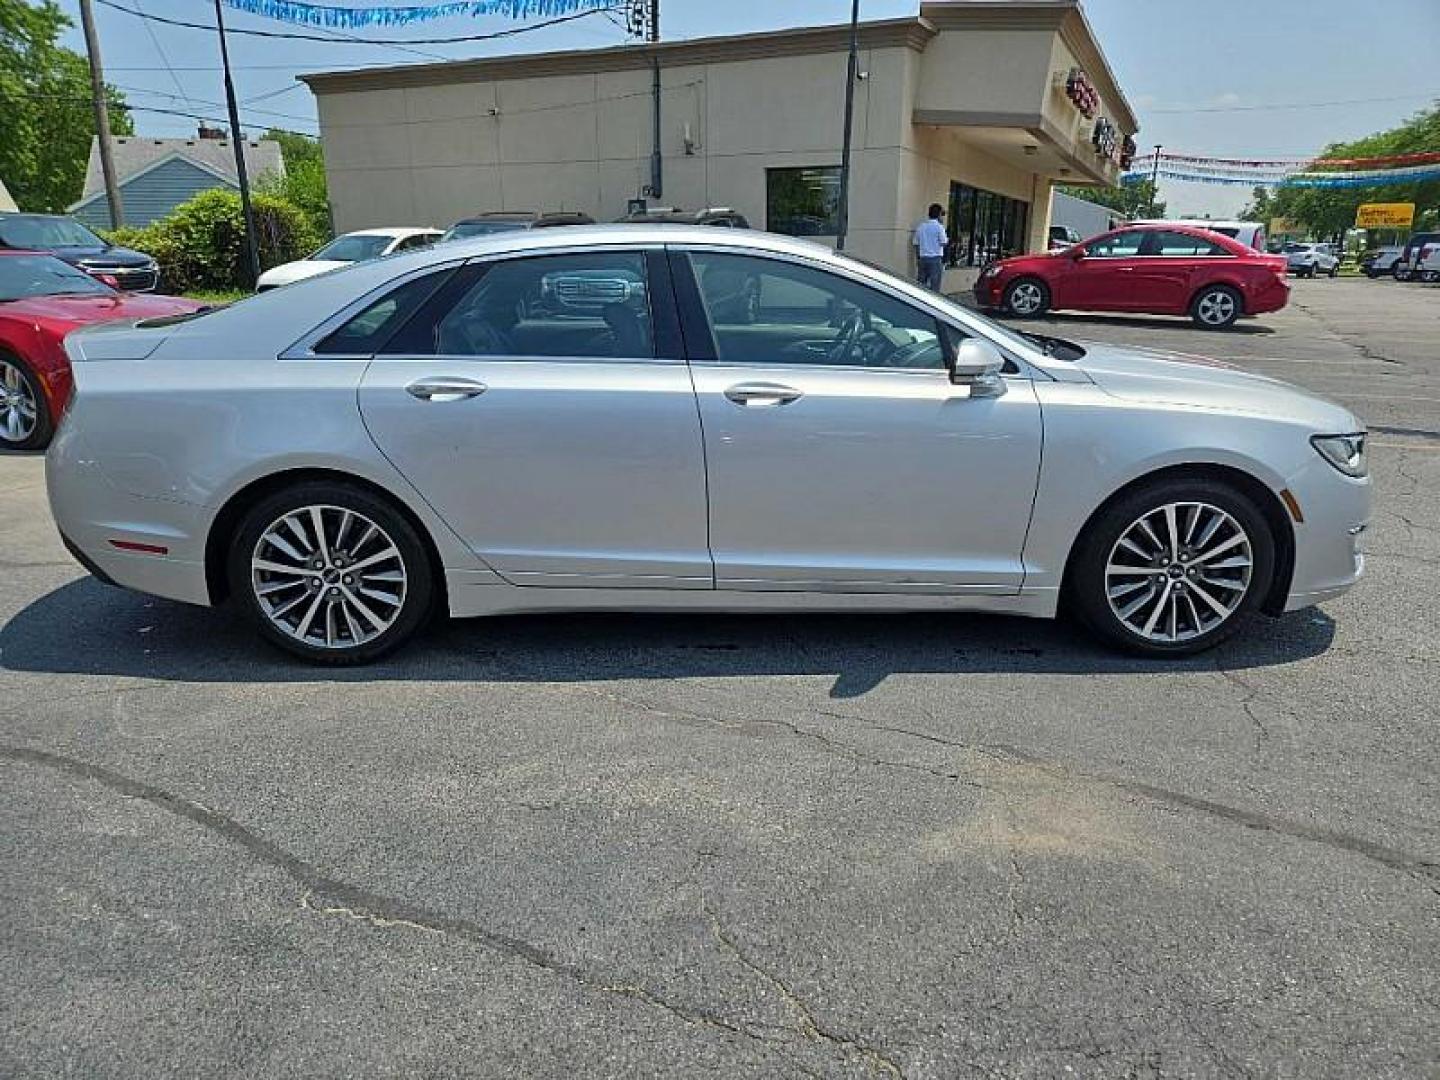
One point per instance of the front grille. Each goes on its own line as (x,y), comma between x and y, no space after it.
(130,278)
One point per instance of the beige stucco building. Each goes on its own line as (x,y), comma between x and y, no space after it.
(975,104)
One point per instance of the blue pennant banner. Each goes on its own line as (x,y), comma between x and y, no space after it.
(1304,180)
(359,18)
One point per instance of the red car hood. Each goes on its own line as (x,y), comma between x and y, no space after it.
(61,314)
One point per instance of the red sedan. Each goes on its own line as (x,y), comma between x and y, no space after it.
(1147,269)
(41,300)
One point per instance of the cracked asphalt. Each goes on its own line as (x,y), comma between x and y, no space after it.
(745,847)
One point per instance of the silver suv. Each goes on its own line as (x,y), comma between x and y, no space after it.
(1307,260)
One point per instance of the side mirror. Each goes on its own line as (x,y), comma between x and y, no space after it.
(109,279)
(1077,252)
(978,364)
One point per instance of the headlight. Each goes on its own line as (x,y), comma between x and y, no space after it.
(1345,452)
(990,271)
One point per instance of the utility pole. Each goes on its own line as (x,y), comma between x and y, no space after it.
(652,35)
(102,116)
(1155,178)
(237,138)
(852,71)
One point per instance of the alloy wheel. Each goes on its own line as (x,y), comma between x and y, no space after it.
(1179,571)
(1216,308)
(1026,298)
(328,577)
(19,412)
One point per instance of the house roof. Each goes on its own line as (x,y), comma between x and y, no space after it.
(134,154)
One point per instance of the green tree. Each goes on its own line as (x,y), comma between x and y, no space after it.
(46,119)
(1330,211)
(1261,207)
(304,181)
(1130,200)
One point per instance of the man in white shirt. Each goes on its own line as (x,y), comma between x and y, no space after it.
(929,244)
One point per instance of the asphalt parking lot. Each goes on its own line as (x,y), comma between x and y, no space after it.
(697,846)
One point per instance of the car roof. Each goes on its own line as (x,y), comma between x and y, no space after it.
(1199,223)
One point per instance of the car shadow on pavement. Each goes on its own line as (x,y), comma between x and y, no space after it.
(86,628)
(1062,319)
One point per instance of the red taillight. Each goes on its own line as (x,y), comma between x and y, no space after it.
(143,549)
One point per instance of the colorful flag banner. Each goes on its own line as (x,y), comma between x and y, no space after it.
(359,18)
(1367,178)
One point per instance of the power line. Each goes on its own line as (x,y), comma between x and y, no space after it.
(1293,105)
(127,107)
(150,30)
(292,36)
(216,104)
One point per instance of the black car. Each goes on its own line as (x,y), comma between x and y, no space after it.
(721,216)
(67,239)
(498,221)
(1404,267)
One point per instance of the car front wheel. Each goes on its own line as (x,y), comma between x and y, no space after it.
(1027,298)
(1172,568)
(1216,307)
(331,573)
(25,422)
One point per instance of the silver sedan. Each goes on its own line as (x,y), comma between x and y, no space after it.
(638,418)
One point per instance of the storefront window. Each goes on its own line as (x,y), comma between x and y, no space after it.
(803,202)
(984,225)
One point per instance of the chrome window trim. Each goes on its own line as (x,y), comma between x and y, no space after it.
(956,317)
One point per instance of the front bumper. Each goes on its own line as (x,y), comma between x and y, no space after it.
(1328,544)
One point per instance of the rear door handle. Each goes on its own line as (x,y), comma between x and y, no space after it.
(445,389)
(759,395)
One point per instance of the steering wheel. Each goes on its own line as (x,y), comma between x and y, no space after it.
(849,335)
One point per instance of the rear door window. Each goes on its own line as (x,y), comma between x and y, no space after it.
(363,334)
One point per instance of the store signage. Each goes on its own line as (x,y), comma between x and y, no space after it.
(1082,93)
(1384,215)
(1105,138)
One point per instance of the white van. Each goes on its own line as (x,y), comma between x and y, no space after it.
(1249,233)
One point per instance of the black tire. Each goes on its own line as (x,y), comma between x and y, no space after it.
(1224,317)
(416,592)
(1335,270)
(1400,272)
(1026,287)
(1086,585)
(44,424)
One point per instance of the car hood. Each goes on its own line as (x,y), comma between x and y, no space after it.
(103,256)
(1134,373)
(65,313)
(298,270)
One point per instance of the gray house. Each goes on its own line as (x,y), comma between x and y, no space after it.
(6,202)
(157,175)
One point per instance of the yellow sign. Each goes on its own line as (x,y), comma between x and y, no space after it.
(1384,215)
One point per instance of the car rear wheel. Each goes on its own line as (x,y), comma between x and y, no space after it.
(25,422)
(1400,272)
(1335,270)
(1173,568)
(1216,307)
(331,573)
(1027,298)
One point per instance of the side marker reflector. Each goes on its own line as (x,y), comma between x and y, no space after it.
(144,549)
(1288,498)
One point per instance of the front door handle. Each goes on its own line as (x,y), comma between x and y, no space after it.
(445,389)
(759,395)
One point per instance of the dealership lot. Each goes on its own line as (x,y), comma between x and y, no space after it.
(689,845)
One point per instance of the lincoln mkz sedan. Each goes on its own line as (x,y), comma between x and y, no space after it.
(584,418)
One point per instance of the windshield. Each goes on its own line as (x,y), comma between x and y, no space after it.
(23,276)
(482,228)
(24,231)
(1289,248)
(354,248)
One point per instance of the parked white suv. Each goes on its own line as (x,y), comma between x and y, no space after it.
(1307,260)
(1427,267)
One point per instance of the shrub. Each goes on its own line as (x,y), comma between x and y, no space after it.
(200,245)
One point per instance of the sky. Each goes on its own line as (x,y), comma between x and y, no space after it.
(1229,78)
